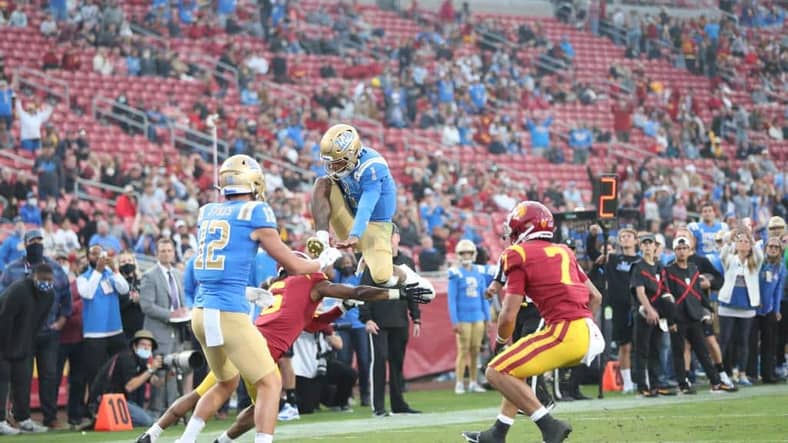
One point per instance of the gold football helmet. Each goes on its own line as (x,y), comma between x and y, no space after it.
(465,245)
(339,149)
(241,174)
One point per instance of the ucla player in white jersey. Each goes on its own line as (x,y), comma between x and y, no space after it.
(229,236)
(358,199)
(705,231)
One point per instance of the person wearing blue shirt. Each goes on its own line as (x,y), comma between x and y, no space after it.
(358,199)
(431,212)
(13,248)
(567,49)
(580,140)
(30,212)
(540,134)
(705,232)
(47,341)
(103,238)
(352,331)
(764,328)
(187,11)
(469,312)
(478,94)
(445,90)
(230,234)
(6,104)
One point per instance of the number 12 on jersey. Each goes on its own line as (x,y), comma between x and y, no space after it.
(207,257)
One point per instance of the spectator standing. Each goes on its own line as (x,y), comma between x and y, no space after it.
(580,140)
(13,247)
(432,212)
(100,287)
(469,312)
(130,312)
(30,121)
(622,119)
(739,298)
(50,173)
(430,259)
(126,205)
(24,310)
(71,349)
(6,103)
(162,302)
(45,345)
(387,325)
(104,238)
(540,133)
(772,278)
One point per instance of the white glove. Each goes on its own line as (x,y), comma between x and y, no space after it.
(349,304)
(328,257)
(260,297)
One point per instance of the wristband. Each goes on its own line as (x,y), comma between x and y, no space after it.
(394,294)
(500,340)
(151,371)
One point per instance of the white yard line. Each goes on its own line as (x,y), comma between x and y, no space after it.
(293,431)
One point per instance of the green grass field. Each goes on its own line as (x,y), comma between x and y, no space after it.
(754,414)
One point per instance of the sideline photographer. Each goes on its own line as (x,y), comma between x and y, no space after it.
(127,373)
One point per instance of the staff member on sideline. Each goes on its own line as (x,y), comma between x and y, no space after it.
(387,324)
(47,342)
(24,309)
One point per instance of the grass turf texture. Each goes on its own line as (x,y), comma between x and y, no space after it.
(754,414)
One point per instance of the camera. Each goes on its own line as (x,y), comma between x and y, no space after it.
(184,362)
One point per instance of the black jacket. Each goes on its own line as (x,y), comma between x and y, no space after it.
(389,313)
(23,311)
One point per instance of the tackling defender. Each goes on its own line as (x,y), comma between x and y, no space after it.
(358,199)
(551,277)
(296,299)
(229,236)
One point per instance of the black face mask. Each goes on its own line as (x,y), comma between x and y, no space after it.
(35,253)
(127,269)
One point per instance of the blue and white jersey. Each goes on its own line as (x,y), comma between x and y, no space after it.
(369,191)
(226,253)
(466,300)
(704,237)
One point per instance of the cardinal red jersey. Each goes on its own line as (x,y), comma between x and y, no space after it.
(293,309)
(549,274)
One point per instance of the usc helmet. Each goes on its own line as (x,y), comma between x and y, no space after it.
(339,149)
(241,174)
(527,221)
(465,245)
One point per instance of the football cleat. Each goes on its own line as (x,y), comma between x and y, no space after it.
(288,413)
(487,436)
(724,387)
(556,431)
(144,438)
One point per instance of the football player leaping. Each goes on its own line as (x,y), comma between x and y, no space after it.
(358,199)
(551,277)
(229,235)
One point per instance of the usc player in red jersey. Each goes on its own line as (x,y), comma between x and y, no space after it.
(295,300)
(549,274)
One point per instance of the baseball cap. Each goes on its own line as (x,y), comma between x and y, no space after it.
(180,223)
(648,237)
(659,239)
(33,234)
(681,241)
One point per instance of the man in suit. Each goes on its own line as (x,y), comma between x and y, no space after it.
(162,302)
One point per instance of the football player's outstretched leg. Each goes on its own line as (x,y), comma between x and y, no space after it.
(358,199)
(551,277)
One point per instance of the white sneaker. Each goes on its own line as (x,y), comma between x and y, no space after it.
(7,429)
(459,388)
(289,412)
(474,387)
(725,379)
(31,426)
(628,389)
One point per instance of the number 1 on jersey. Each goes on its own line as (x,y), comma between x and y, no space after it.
(206,251)
(552,251)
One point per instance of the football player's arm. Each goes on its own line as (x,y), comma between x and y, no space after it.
(508,316)
(321,207)
(270,241)
(363,293)
(370,195)
(320,321)
(594,296)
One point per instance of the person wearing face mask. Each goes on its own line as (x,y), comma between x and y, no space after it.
(100,287)
(30,212)
(13,247)
(127,372)
(47,341)
(130,312)
(24,308)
